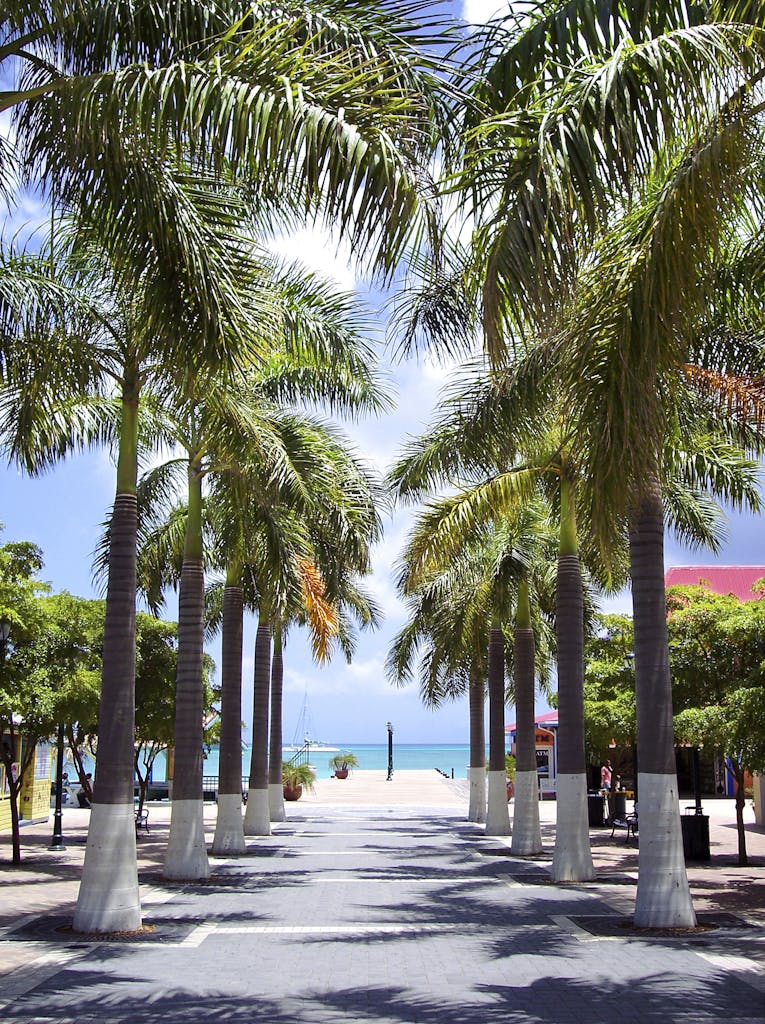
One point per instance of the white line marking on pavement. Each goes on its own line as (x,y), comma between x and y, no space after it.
(345,879)
(333,929)
(745,970)
(199,934)
(336,853)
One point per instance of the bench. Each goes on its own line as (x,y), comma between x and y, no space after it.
(628,822)
(142,822)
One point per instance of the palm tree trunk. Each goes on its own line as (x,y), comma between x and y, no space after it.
(109,900)
(229,827)
(477,769)
(257,819)
(186,854)
(527,834)
(275,787)
(572,860)
(497,817)
(9,756)
(663,895)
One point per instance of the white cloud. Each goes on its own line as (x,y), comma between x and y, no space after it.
(314,247)
(26,220)
(478,12)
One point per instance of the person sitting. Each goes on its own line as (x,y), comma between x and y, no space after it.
(85,793)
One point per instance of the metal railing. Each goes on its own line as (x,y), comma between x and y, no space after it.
(302,756)
(210,785)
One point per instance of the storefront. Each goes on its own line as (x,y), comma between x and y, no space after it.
(546,740)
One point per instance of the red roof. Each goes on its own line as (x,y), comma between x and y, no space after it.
(720,579)
(549,718)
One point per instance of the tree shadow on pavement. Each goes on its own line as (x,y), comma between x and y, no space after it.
(657,998)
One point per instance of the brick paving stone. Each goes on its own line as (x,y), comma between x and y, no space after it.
(394,914)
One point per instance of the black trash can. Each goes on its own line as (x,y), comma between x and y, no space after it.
(620,806)
(595,810)
(695,836)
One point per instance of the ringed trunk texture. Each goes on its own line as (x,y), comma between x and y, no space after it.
(257,818)
(108,899)
(572,859)
(477,769)
(275,788)
(527,833)
(229,826)
(663,895)
(186,855)
(497,817)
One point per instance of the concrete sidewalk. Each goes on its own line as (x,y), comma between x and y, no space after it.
(377,901)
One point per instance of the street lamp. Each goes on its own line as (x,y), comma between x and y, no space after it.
(57,839)
(390,751)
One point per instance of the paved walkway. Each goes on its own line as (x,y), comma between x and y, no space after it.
(382,911)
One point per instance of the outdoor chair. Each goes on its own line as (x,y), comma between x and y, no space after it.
(142,822)
(629,822)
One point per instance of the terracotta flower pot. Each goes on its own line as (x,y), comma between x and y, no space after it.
(341,773)
(292,792)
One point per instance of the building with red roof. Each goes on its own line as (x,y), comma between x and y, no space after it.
(720,579)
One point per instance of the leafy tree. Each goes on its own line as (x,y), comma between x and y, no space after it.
(609,687)
(717,655)
(20,700)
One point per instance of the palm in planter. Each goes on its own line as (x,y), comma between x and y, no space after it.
(342,763)
(294,778)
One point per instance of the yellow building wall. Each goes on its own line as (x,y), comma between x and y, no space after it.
(5,803)
(34,799)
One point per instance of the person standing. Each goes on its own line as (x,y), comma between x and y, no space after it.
(606,775)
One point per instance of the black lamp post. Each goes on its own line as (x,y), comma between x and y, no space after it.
(390,752)
(57,839)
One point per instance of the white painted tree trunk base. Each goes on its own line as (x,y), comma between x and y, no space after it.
(229,827)
(497,815)
(186,854)
(572,859)
(276,802)
(109,900)
(477,799)
(257,817)
(527,834)
(663,894)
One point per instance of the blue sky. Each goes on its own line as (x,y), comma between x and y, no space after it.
(62,513)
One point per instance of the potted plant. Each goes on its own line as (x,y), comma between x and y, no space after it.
(294,778)
(342,763)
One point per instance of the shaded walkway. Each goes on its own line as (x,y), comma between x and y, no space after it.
(394,915)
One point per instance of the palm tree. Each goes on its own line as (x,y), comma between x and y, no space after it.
(512,554)
(493,421)
(333,605)
(229,834)
(83,75)
(120,349)
(446,634)
(575,135)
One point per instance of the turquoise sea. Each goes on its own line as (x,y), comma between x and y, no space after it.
(448,757)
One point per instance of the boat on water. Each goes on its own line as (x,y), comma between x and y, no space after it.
(314,746)
(304,728)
